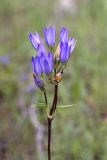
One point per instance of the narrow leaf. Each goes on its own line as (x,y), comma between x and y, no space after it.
(66,106)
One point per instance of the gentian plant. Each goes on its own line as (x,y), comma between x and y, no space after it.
(51,61)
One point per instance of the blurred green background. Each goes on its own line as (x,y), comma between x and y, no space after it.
(80,132)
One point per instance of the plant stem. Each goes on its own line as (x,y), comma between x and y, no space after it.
(49,138)
(52,110)
(54,104)
(46,101)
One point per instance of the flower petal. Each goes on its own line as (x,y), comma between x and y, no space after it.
(64,35)
(50,61)
(42,56)
(41,48)
(35,40)
(64,52)
(38,67)
(72,44)
(46,67)
(50,35)
(38,82)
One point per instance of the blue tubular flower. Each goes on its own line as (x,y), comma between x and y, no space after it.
(49,35)
(64,52)
(46,67)
(45,63)
(48,64)
(64,35)
(50,59)
(37,65)
(42,56)
(72,44)
(38,82)
(41,48)
(35,40)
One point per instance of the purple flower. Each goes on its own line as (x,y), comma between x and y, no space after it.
(66,45)
(49,35)
(37,43)
(37,65)
(64,52)
(72,44)
(45,63)
(64,35)
(48,63)
(41,48)
(38,82)
(35,40)
(50,59)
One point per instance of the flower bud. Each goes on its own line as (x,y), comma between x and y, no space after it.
(57,52)
(58,77)
(38,82)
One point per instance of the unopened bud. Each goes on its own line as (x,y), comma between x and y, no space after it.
(58,77)
(38,82)
(57,52)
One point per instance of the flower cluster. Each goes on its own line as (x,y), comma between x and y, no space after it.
(51,62)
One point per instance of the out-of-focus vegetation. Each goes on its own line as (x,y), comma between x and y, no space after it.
(80,132)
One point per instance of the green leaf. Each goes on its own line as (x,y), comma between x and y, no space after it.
(66,106)
(40,105)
